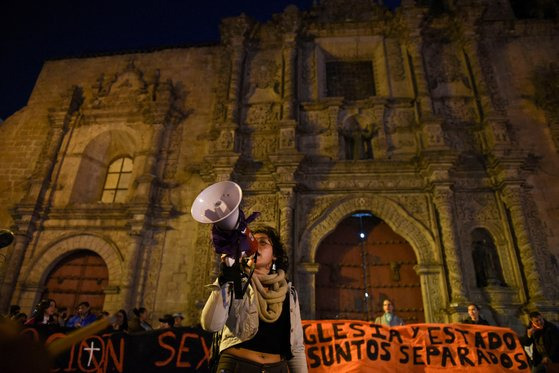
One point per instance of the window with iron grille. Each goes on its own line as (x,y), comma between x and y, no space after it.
(117,182)
(352,80)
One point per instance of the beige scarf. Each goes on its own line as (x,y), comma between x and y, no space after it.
(270,301)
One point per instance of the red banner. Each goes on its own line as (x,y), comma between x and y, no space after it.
(359,346)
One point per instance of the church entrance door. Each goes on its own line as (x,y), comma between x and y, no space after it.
(80,276)
(362,262)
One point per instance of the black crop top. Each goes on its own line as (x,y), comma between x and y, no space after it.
(272,338)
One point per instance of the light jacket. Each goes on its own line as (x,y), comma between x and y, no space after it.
(395,321)
(239,321)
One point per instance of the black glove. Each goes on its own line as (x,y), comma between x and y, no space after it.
(229,274)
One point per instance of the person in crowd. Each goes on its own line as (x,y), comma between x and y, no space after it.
(121,321)
(473,316)
(138,322)
(178,317)
(62,316)
(388,318)
(262,331)
(14,311)
(166,321)
(544,336)
(20,318)
(83,316)
(43,313)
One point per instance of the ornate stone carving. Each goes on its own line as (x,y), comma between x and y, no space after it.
(488,70)
(263,115)
(395,59)
(476,207)
(234,29)
(132,95)
(261,145)
(265,204)
(416,205)
(357,133)
(287,138)
(264,77)
(532,244)
(456,110)
(309,88)
(443,198)
(430,276)
(447,73)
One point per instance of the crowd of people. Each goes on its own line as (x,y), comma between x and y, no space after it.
(47,313)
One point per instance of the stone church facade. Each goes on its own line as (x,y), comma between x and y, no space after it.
(443,123)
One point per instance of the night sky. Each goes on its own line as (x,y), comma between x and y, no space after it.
(38,30)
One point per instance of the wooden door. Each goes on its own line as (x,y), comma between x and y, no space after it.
(81,276)
(348,289)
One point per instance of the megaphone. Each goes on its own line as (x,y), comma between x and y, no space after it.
(218,204)
(6,238)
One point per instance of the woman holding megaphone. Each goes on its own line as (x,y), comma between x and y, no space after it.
(261,332)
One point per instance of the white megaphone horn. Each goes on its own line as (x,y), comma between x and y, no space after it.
(218,204)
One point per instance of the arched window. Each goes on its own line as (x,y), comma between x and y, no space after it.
(117,181)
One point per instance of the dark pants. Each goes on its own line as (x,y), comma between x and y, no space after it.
(232,364)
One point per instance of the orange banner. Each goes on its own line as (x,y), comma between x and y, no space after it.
(360,346)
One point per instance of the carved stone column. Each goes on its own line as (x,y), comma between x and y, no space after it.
(513,198)
(433,290)
(289,59)
(237,57)
(424,104)
(286,205)
(307,288)
(130,286)
(443,198)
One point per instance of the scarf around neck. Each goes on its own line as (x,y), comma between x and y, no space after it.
(270,300)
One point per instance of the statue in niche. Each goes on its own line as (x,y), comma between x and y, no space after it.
(487,264)
(357,138)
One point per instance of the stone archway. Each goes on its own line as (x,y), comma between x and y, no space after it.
(35,272)
(429,267)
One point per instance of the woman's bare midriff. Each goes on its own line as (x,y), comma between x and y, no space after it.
(256,356)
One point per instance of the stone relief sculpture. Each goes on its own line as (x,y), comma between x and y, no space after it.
(357,133)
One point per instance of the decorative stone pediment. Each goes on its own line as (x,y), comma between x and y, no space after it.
(265,77)
(134,96)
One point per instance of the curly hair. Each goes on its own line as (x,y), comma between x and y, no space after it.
(282,261)
(41,307)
